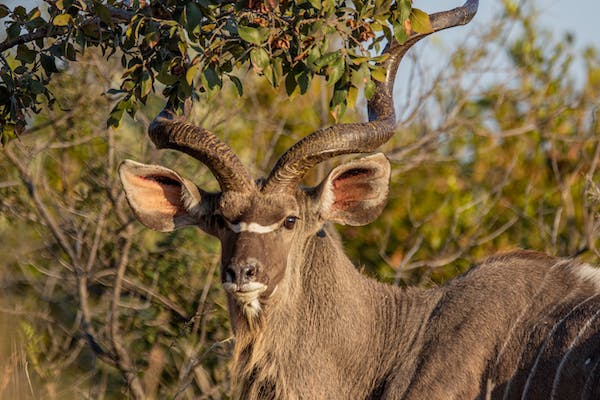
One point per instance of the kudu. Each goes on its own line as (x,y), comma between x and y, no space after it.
(308,325)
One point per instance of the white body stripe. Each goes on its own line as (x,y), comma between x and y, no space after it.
(252,227)
(543,347)
(589,274)
(572,346)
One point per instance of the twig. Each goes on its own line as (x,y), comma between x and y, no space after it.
(132,284)
(26,368)
(185,378)
(123,360)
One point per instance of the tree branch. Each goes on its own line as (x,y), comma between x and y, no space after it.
(117,14)
(123,360)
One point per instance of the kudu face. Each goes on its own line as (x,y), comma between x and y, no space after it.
(263,225)
(262,233)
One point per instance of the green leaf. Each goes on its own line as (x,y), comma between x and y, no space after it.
(369,89)
(357,78)
(274,72)
(62,20)
(336,70)
(382,6)
(191,73)
(313,55)
(212,78)
(255,36)
(48,64)
(259,59)
(405,7)
(115,92)
(25,54)
(238,84)
(4,11)
(146,85)
(193,16)
(420,21)
(290,83)
(339,97)
(33,14)
(268,73)
(352,96)
(315,3)
(20,13)
(70,52)
(36,87)
(328,59)
(165,76)
(13,30)
(399,33)
(103,13)
(378,74)
(116,113)
(303,80)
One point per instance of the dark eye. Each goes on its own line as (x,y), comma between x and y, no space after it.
(289,222)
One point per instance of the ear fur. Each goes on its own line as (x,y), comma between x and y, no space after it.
(356,192)
(160,198)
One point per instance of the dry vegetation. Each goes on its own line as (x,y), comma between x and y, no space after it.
(93,305)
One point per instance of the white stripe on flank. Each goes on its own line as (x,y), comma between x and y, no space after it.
(589,274)
(543,347)
(572,346)
(523,350)
(252,227)
(522,315)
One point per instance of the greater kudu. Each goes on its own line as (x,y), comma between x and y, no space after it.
(308,325)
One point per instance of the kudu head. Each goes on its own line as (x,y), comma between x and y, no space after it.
(263,225)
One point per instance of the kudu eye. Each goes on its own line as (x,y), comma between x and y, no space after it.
(289,222)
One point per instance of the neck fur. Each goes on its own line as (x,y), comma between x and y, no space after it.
(325,317)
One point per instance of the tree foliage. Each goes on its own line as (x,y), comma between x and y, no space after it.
(182,48)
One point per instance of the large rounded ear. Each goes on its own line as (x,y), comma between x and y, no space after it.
(160,198)
(356,192)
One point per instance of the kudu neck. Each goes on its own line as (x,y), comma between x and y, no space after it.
(329,317)
(325,295)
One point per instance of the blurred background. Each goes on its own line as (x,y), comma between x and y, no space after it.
(497,148)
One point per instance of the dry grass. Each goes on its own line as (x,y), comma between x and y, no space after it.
(15,379)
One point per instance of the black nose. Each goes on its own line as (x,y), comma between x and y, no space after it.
(240,274)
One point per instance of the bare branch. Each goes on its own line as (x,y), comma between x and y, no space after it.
(123,360)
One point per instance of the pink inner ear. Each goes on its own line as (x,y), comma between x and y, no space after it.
(352,187)
(160,193)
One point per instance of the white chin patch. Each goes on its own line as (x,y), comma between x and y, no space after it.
(252,309)
(247,296)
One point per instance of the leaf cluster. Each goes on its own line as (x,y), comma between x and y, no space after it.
(185,48)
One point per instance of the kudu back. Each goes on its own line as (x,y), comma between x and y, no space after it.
(308,325)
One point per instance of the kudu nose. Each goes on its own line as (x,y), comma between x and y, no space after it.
(240,274)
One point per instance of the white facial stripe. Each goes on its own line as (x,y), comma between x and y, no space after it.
(252,227)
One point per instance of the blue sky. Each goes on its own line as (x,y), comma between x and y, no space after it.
(579,17)
(558,16)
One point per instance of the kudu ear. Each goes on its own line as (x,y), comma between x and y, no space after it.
(356,192)
(160,198)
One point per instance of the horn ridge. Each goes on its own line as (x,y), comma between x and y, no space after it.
(168,131)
